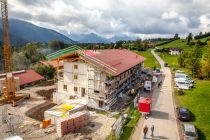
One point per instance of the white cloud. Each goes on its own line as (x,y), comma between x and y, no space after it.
(170,15)
(205,23)
(109,17)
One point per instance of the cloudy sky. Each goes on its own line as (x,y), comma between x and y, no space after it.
(145,18)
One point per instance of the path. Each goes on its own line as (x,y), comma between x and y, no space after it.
(163,113)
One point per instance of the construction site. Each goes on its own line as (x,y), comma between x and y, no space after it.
(92,86)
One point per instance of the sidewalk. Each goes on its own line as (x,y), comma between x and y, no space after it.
(163,113)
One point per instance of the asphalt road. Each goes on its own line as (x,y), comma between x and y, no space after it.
(163,112)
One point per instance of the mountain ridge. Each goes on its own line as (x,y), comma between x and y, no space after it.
(22,32)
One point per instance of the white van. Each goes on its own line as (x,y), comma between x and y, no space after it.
(148,85)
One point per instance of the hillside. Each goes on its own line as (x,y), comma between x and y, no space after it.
(180,43)
(22,32)
(88,38)
(15,40)
(121,37)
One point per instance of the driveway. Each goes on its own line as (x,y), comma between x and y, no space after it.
(163,113)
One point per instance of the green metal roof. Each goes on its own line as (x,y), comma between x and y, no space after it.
(63,52)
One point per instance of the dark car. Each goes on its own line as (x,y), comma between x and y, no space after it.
(165,64)
(183,114)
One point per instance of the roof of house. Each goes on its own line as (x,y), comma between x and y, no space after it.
(176,49)
(53,63)
(113,61)
(118,60)
(63,52)
(26,76)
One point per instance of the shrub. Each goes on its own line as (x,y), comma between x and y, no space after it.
(180,92)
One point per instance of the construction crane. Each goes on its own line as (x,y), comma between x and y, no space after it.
(9,88)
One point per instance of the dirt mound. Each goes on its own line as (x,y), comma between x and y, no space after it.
(37,112)
(47,94)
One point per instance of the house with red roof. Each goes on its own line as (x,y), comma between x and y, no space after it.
(98,76)
(22,78)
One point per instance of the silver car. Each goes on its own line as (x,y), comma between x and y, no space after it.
(189,132)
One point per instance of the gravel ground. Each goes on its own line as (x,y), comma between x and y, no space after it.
(28,128)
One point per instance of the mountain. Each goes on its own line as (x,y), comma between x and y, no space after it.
(120,37)
(88,38)
(22,32)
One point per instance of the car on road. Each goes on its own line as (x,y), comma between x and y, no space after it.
(189,132)
(183,114)
(148,86)
(165,64)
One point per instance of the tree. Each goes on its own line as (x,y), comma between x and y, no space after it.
(56,45)
(119,44)
(198,43)
(20,62)
(189,38)
(138,45)
(195,61)
(176,36)
(32,52)
(48,72)
(205,69)
(200,34)
(183,59)
(146,45)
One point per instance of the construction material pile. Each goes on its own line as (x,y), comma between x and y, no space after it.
(72,123)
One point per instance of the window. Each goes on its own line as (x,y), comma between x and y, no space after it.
(75,76)
(75,66)
(96,91)
(64,87)
(100,104)
(75,89)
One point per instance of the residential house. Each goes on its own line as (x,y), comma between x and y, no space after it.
(175,51)
(98,76)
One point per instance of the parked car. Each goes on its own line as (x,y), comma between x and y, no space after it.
(183,114)
(165,64)
(182,75)
(189,132)
(158,72)
(148,85)
(183,81)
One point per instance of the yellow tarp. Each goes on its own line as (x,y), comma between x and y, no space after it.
(65,107)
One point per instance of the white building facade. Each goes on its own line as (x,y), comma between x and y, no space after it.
(93,84)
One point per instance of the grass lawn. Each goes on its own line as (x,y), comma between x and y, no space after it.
(204,39)
(128,128)
(197,101)
(181,43)
(170,59)
(150,61)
